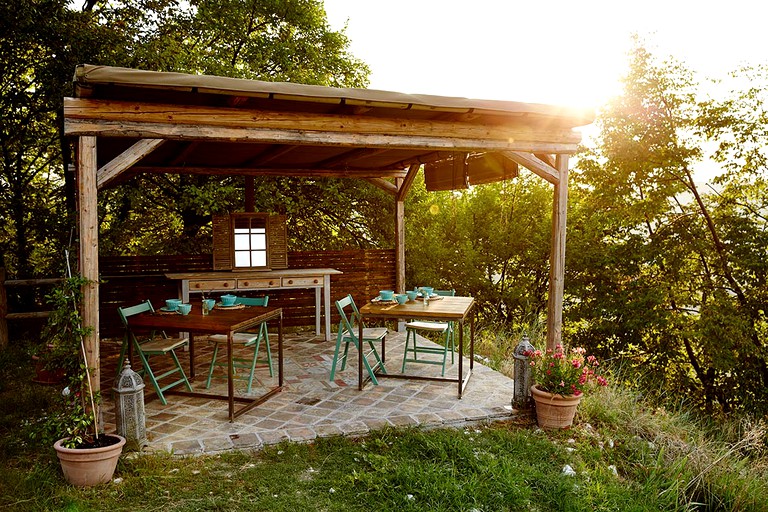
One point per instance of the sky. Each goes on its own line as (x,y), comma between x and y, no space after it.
(541,51)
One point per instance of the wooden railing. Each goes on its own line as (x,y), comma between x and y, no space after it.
(128,280)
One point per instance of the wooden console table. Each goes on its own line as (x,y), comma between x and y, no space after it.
(223,281)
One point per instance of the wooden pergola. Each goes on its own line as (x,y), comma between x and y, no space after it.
(128,121)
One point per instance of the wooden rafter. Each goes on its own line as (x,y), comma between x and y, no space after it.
(384,185)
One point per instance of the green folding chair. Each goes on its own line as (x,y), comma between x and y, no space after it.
(445,329)
(349,333)
(244,339)
(153,345)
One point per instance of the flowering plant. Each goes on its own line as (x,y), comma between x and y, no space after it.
(565,372)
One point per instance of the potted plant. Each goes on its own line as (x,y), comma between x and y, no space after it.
(87,456)
(561,377)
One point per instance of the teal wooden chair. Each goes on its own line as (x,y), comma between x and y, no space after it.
(153,345)
(349,333)
(244,339)
(445,329)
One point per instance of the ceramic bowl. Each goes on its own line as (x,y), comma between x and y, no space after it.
(412,294)
(184,309)
(228,300)
(387,294)
(401,298)
(172,304)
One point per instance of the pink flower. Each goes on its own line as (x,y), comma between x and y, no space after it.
(576,363)
(601,381)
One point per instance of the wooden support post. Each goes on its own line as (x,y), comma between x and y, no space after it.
(3,311)
(89,250)
(557,255)
(400,242)
(250,195)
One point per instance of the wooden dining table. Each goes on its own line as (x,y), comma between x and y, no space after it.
(444,309)
(218,321)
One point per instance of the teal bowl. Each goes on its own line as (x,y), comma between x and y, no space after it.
(401,298)
(228,300)
(387,294)
(172,304)
(184,309)
(411,294)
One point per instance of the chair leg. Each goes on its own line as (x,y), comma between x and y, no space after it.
(213,365)
(148,371)
(408,333)
(336,355)
(181,370)
(269,351)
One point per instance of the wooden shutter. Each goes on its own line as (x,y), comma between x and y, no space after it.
(277,237)
(489,168)
(222,242)
(448,174)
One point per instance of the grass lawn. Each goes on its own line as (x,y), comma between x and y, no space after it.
(624,455)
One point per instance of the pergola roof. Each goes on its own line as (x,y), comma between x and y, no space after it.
(183,123)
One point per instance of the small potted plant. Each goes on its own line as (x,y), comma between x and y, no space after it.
(561,377)
(87,456)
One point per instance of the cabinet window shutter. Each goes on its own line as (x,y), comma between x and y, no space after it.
(278,241)
(222,242)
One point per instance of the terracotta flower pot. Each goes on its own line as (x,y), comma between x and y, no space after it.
(85,467)
(554,411)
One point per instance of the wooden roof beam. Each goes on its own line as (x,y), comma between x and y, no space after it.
(206,118)
(349,155)
(535,165)
(405,186)
(110,171)
(280,171)
(384,185)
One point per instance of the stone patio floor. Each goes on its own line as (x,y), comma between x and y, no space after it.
(311,406)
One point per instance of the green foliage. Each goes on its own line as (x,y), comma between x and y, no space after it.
(662,275)
(490,241)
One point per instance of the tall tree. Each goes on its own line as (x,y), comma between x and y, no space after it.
(655,279)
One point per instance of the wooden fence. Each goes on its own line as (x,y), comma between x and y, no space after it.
(128,280)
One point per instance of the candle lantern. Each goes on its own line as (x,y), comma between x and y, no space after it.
(129,408)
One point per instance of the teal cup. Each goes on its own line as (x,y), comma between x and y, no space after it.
(209,303)
(228,300)
(401,298)
(412,294)
(184,309)
(387,294)
(172,304)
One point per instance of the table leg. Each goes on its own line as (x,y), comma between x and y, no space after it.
(280,351)
(230,376)
(327,305)
(318,312)
(461,356)
(360,356)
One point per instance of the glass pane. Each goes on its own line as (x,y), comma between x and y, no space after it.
(259,258)
(241,242)
(259,242)
(242,258)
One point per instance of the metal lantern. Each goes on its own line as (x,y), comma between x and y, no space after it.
(129,407)
(522,394)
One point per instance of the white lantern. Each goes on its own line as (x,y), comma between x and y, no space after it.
(129,408)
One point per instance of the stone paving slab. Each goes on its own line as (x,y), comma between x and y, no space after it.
(309,406)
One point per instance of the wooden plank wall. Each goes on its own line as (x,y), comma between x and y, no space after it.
(129,280)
